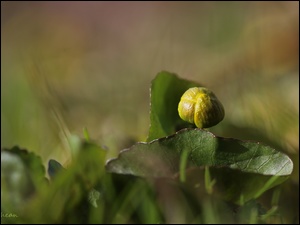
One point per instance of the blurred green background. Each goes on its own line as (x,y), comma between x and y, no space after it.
(70,65)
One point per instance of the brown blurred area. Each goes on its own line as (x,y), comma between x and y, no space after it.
(69,65)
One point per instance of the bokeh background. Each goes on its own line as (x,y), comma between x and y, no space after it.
(70,65)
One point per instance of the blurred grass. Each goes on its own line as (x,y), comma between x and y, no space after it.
(90,64)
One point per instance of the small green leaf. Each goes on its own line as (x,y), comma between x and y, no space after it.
(54,167)
(86,134)
(166,91)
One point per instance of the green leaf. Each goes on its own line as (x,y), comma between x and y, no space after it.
(161,157)
(166,91)
(249,161)
(54,167)
(22,174)
(33,162)
(69,196)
